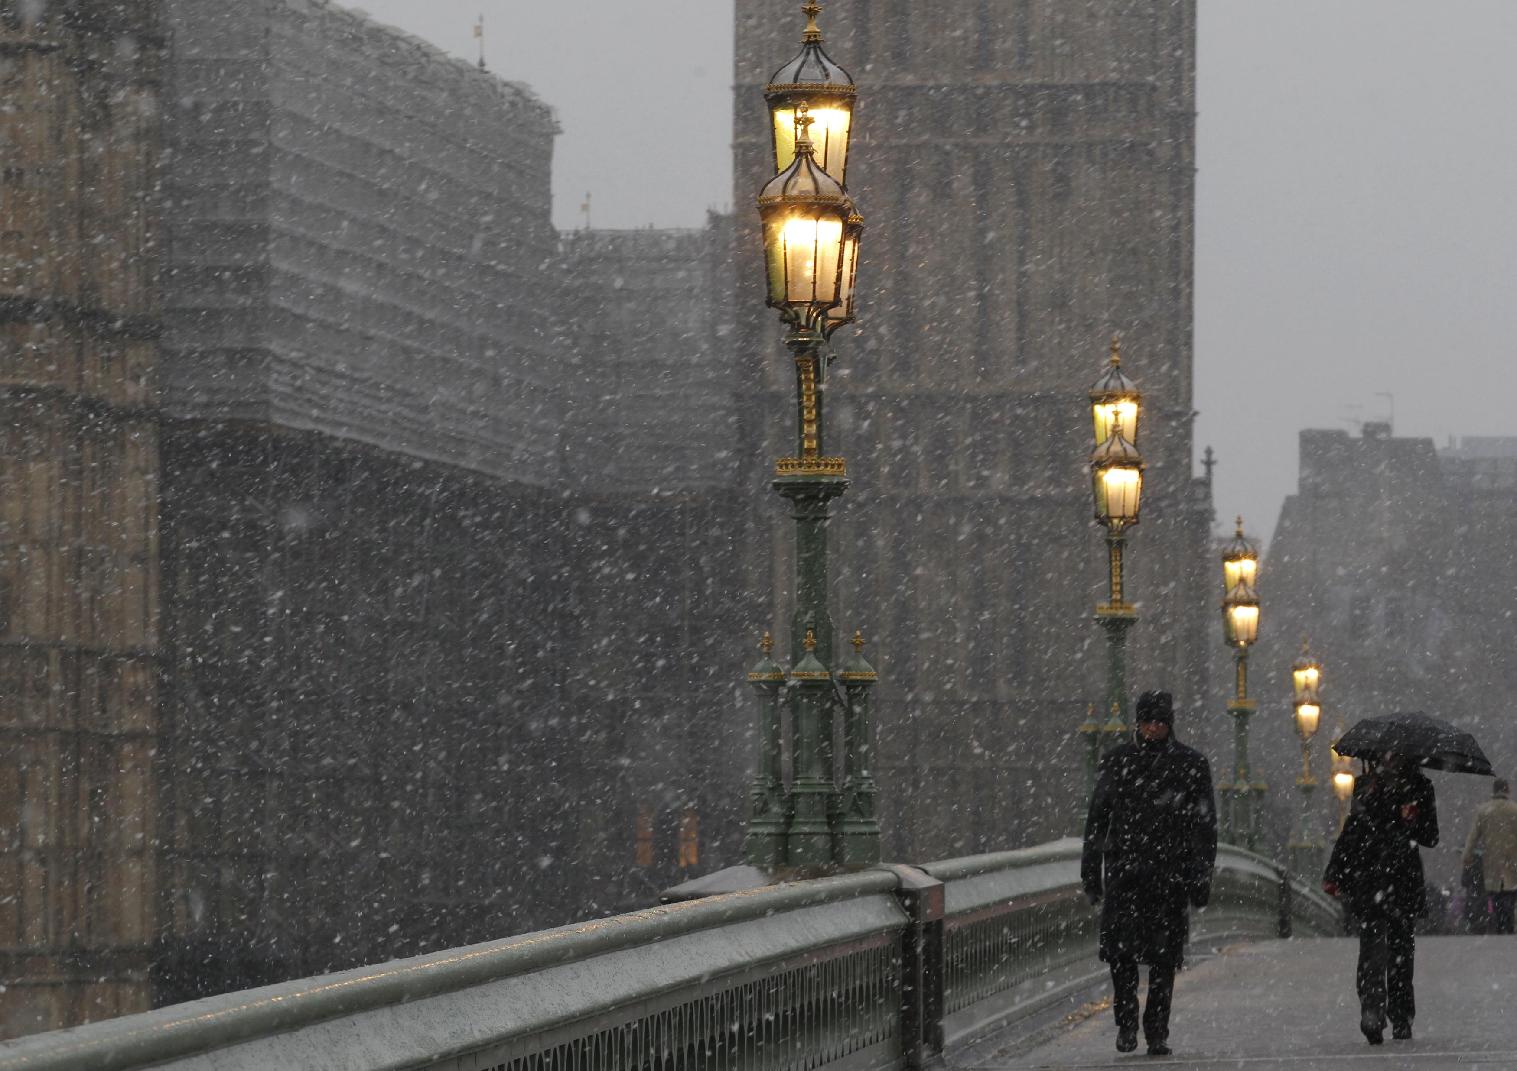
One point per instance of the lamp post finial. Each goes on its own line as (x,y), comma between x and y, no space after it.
(811,9)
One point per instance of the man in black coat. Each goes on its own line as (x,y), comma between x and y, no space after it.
(1376,866)
(1150,844)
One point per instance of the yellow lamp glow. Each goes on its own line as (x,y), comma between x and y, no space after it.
(1116,471)
(1240,562)
(1308,716)
(829,135)
(1240,571)
(804,250)
(812,78)
(1242,622)
(1105,415)
(805,215)
(843,312)
(1343,785)
(1306,676)
(1115,401)
(1118,491)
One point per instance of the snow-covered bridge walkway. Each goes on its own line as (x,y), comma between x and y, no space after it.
(1290,1005)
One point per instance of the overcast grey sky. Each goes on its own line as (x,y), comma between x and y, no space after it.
(1357,199)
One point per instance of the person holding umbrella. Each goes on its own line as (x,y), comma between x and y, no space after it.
(1376,865)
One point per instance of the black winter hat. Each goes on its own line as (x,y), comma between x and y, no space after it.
(1156,706)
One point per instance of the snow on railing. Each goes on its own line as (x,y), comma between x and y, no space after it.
(877,969)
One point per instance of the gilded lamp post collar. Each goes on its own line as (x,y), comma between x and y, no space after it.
(857,669)
(809,668)
(766,671)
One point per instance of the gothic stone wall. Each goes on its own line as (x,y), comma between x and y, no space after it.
(439,588)
(361,242)
(1026,173)
(78,511)
(413,707)
(1391,559)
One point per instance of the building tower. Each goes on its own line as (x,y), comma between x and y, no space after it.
(78,509)
(1026,173)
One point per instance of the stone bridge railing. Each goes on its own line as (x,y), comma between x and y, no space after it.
(877,969)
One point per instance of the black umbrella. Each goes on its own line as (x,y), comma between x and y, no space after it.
(1434,743)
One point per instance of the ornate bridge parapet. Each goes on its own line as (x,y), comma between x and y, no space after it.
(879,969)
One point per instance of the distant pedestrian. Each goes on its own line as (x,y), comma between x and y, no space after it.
(1377,867)
(1494,834)
(1150,843)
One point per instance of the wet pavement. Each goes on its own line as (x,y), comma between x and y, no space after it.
(1290,1005)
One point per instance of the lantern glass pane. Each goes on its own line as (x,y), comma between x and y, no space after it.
(1237,571)
(1242,625)
(1104,414)
(844,308)
(1118,490)
(1306,681)
(1343,785)
(1308,715)
(802,250)
(829,137)
(813,247)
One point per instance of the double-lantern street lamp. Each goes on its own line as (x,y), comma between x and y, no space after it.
(1240,627)
(1116,474)
(1343,779)
(1305,847)
(825,815)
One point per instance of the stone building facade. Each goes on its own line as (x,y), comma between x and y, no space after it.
(433,658)
(1026,173)
(433,621)
(1393,558)
(79,596)
(458,529)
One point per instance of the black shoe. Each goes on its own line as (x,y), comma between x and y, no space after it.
(1160,1048)
(1401,1031)
(1127,1040)
(1373,1026)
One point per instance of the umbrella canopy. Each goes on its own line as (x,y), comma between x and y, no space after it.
(1433,742)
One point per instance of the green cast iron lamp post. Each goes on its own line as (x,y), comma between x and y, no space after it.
(1305,847)
(1343,779)
(812,233)
(1240,626)
(1116,471)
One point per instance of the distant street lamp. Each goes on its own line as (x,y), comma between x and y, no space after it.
(1343,779)
(811,237)
(1116,473)
(1240,624)
(1305,847)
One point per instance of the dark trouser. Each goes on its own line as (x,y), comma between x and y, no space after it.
(1387,949)
(1161,991)
(1503,904)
